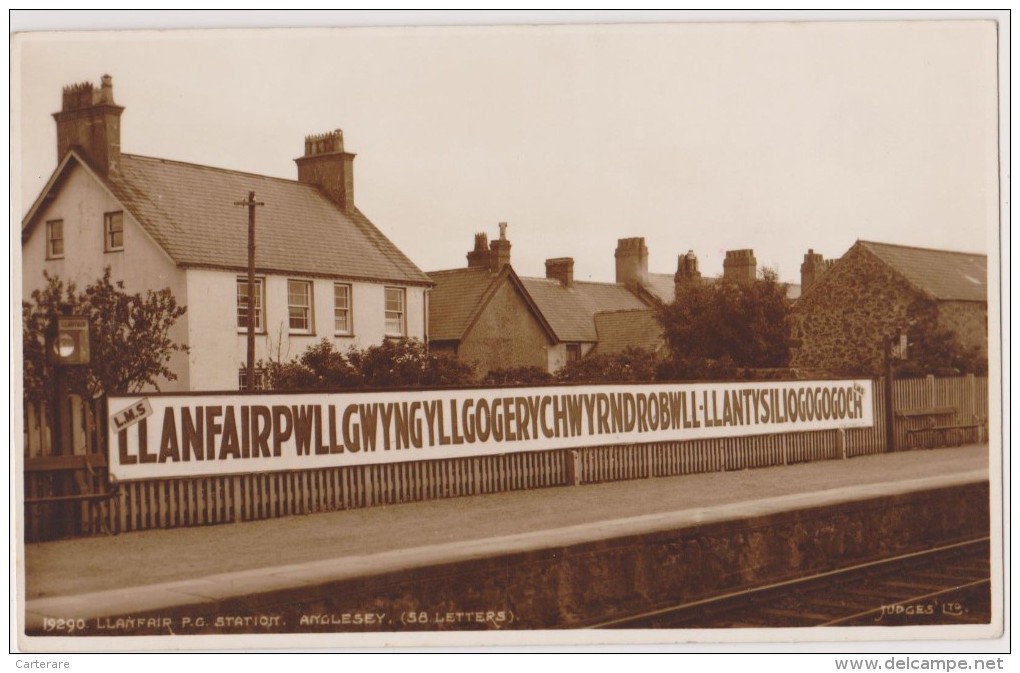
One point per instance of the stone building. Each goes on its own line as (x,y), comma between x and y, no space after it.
(875,290)
(488,315)
(323,269)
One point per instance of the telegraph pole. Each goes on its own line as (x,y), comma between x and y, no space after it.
(251,203)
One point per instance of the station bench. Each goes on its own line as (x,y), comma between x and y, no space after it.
(937,425)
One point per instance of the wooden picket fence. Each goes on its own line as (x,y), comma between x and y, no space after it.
(196,501)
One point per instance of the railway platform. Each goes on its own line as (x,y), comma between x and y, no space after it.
(531,559)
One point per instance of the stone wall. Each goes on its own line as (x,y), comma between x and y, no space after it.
(578,585)
(506,334)
(840,323)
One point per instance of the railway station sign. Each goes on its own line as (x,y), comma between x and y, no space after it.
(162,436)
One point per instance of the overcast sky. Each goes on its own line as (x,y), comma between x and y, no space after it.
(774,136)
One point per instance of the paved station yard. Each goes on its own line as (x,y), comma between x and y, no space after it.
(87,565)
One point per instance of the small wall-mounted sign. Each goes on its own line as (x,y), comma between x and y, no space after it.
(70,342)
(128,416)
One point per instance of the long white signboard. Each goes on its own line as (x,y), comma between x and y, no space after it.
(161,436)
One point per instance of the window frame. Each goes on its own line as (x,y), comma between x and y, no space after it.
(349,310)
(309,308)
(50,226)
(260,379)
(573,353)
(108,219)
(402,293)
(260,307)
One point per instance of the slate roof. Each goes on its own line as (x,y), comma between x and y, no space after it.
(571,310)
(619,329)
(662,286)
(189,210)
(568,311)
(941,274)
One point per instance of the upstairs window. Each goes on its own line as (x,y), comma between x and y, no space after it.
(242,304)
(113,226)
(342,323)
(396,324)
(55,239)
(299,306)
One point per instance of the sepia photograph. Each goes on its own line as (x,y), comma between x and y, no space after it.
(518,333)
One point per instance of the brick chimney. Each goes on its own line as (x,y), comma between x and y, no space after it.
(327,166)
(631,261)
(89,120)
(499,250)
(479,257)
(561,269)
(740,266)
(687,272)
(812,268)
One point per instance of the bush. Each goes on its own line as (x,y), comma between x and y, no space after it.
(393,363)
(714,327)
(517,376)
(632,365)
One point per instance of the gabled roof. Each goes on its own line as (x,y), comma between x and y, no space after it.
(454,299)
(189,211)
(940,274)
(619,329)
(568,313)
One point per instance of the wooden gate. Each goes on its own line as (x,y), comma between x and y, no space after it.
(67,490)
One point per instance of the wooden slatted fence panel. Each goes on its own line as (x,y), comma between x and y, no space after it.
(175,503)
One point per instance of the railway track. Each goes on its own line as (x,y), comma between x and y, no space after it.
(945,585)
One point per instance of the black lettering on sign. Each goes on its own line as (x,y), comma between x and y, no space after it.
(169,448)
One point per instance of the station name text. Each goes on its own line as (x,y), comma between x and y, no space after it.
(249,429)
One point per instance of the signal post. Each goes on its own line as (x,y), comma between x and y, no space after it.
(67,346)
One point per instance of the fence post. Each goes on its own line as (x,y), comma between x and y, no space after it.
(841,443)
(572,467)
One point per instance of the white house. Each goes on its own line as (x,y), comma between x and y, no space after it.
(323,269)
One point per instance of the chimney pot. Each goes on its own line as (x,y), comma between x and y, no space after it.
(327,166)
(740,266)
(687,272)
(812,268)
(561,269)
(631,261)
(479,257)
(90,121)
(499,251)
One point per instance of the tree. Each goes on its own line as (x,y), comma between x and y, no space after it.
(934,349)
(393,363)
(714,327)
(321,367)
(630,365)
(129,337)
(407,362)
